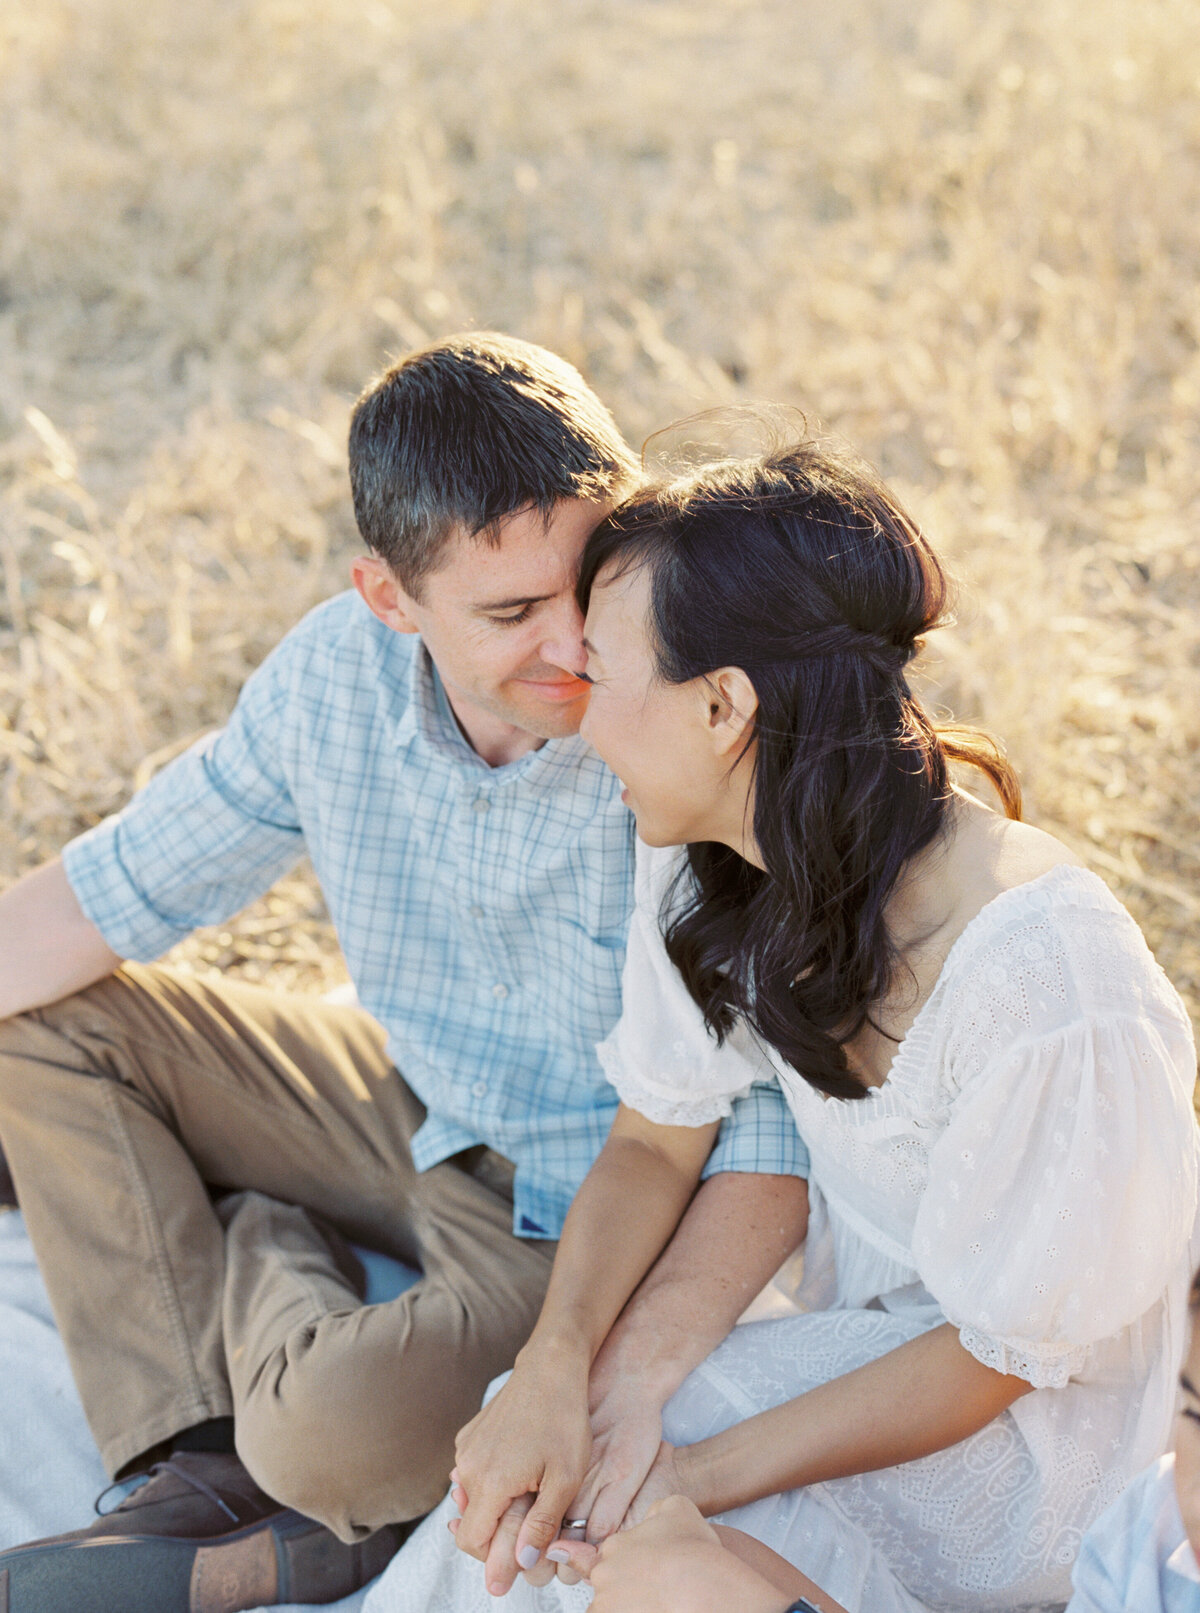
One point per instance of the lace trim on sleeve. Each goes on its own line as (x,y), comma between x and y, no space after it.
(1045,1366)
(665,1105)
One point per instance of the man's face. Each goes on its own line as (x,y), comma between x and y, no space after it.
(502,625)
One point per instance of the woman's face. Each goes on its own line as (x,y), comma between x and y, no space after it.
(662,740)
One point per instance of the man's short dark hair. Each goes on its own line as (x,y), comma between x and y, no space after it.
(462,434)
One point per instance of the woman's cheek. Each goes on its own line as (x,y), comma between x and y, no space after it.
(592,727)
(605,729)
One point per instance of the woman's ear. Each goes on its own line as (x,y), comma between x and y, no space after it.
(731,703)
(383,593)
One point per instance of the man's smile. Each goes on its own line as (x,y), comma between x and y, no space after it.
(563,689)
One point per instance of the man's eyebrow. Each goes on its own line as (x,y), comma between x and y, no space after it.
(512,604)
(1186,1384)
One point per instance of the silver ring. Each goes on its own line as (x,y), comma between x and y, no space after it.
(575,1523)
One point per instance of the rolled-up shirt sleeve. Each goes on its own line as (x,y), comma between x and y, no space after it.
(207,835)
(759,1134)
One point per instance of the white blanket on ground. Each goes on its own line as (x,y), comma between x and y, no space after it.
(50,1470)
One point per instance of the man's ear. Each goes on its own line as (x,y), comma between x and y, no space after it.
(383,593)
(731,703)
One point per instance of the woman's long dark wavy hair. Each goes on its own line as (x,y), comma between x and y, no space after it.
(800,567)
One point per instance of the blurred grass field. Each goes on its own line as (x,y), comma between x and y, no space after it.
(965,236)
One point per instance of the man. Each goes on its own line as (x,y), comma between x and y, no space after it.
(190,1157)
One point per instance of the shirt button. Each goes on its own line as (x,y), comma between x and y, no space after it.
(479,1090)
(481,804)
(475,911)
(499,990)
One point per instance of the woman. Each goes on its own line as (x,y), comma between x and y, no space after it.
(1142,1553)
(991,1074)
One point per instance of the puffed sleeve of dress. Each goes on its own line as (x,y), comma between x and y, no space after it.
(1062,1193)
(659,1056)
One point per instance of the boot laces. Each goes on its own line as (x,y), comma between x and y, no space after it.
(199,1484)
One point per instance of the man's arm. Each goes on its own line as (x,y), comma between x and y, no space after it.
(48,947)
(738,1231)
(210,832)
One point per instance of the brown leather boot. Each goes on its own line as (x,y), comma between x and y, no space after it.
(198,1537)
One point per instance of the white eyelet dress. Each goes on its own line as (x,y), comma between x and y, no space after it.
(1027,1172)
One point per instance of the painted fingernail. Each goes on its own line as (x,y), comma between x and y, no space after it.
(557,1555)
(528,1556)
(496,1589)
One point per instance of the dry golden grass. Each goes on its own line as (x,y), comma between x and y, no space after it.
(964,235)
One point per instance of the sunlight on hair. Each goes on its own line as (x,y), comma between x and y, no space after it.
(960,235)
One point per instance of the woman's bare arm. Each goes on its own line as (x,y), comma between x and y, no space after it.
(535,1437)
(922,1397)
(776,1570)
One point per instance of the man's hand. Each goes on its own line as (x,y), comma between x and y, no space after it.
(733,1238)
(626,1436)
(519,1463)
(737,1230)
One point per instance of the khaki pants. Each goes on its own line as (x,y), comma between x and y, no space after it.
(119,1105)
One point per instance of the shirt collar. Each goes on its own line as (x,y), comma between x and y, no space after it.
(427,719)
(1182,1560)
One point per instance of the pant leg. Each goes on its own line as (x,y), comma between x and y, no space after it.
(118,1105)
(349,1412)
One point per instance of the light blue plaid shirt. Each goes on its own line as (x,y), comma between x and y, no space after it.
(1136,1558)
(482,911)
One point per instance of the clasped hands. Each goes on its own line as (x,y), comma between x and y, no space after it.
(538,1454)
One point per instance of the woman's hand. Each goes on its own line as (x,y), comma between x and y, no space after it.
(518,1464)
(535,1437)
(672,1562)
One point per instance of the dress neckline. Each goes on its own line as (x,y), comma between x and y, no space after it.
(916,1031)
(968,931)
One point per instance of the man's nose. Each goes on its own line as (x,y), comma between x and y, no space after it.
(563,644)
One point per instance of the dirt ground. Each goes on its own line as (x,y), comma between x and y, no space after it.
(965,236)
